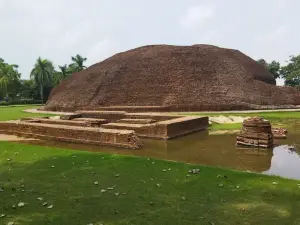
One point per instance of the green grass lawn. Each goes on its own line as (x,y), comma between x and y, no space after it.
(135,191)
(16,112)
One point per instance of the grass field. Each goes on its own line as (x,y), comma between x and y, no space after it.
(16,112)
(92,188)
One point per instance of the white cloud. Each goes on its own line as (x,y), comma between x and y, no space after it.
(196,15)
(101,50)
(280,82)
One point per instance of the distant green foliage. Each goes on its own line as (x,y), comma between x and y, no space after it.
(78,63)
(9,77)
(291,72)
(273,67)
(42,74)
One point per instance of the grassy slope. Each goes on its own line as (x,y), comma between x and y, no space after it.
(70,187)
(16,112)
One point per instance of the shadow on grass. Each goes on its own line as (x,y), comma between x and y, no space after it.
(140,191)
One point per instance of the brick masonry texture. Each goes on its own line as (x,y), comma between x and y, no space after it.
(173,78)
(85,135)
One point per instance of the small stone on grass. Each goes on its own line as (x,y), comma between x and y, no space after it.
(21,204)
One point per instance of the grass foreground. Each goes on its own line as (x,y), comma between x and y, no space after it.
(91,188)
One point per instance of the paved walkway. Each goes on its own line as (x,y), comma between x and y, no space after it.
(46,112)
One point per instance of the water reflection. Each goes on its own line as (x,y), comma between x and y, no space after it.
(215,150)
(285,163)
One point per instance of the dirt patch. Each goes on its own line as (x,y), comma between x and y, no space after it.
(6,137)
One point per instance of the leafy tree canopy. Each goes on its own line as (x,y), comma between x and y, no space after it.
(291,72)
(273,67)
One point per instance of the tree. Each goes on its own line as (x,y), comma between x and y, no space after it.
(9,77)
(291,72)
(273,67)
(29,90)
(58,76)
(42,73)
(77,64)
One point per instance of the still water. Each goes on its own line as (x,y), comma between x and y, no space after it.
(215,150)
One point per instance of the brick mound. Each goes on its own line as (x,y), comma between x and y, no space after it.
(173,78)
(256,132)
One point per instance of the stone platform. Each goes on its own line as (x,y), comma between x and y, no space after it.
(74,134)
(115,128)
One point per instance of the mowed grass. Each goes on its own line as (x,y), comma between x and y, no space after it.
(16,112)
(92,188)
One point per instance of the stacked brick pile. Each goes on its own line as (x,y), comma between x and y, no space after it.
(256,132)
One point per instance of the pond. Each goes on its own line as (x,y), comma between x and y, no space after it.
(214,150)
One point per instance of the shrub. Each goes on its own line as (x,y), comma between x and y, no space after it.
(3,103)
(26,101)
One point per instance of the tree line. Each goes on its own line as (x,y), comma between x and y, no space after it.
(290,72)
(43,77)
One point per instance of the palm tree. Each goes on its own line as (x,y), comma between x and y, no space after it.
(8,74)
(42,73)
(77,64)
(64,72)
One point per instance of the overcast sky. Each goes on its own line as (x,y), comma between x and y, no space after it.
(97,29)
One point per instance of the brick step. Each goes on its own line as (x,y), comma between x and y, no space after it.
(99,121)
(99,136)
(66,122)
(125,126)
(136,121)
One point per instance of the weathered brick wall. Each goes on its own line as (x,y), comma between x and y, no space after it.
(118,138)
(165,129)
(67,122)
(108,115)
(185,125)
